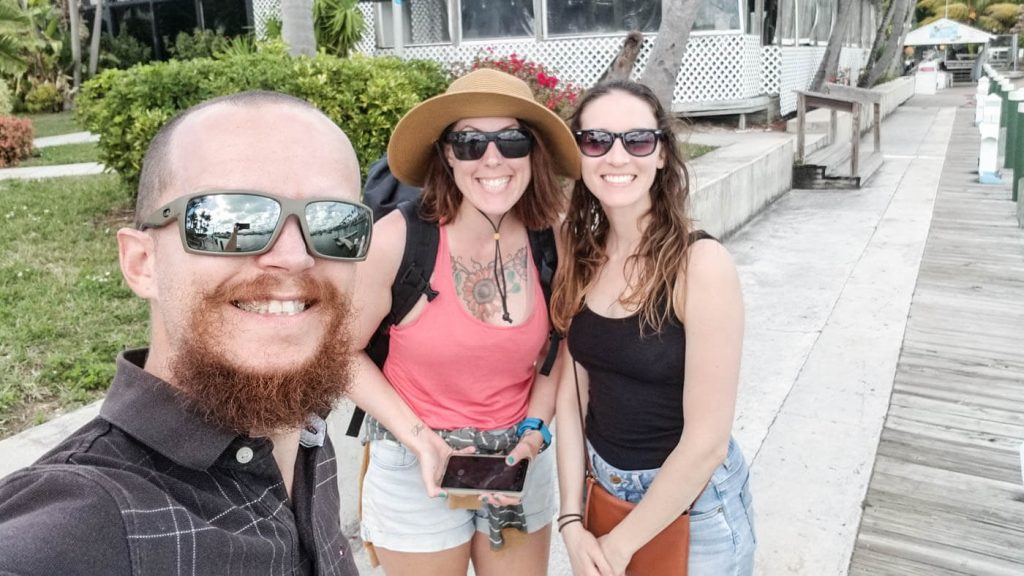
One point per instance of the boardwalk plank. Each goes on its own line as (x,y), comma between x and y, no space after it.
(946,494)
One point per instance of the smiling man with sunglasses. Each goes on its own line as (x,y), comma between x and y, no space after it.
(210,455)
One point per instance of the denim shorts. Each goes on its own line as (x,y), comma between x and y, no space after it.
(398,515)
(722,539)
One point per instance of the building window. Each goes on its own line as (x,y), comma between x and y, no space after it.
(718,15)
(579,17)
(423,22)
(483,19)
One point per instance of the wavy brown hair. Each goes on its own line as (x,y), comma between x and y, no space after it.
(661,255)
(538,208)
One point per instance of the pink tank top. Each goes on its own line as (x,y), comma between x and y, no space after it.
(454,370)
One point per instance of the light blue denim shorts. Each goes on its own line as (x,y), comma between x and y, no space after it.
(722,539)
(398,515)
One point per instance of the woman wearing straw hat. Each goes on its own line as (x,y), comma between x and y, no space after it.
(461,372)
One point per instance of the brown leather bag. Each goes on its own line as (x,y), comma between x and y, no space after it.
(667,554)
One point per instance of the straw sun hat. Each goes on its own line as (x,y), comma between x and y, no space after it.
(481,93)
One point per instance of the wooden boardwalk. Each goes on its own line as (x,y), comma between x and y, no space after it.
(946,494)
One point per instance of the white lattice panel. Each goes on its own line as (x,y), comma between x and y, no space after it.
(368,43)
(798,67)
(771,69)
(261,11)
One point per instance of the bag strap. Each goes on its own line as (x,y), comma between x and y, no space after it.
(545,258)
(411,281)
(583,431)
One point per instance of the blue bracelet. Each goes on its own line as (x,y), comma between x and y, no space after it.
(538,425)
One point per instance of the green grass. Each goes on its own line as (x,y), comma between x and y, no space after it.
(53,124)
(691,151)
(64,309)
(64,154)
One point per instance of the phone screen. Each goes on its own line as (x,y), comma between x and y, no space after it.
(485,473)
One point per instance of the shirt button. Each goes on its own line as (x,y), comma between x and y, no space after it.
(244,455)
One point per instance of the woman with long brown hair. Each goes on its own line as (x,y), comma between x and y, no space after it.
(654,314)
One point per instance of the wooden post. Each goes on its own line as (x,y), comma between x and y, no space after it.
(801,111)
(877,127)
(855,144)
(833,125)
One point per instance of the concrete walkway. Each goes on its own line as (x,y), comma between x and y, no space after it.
(62,139)
(56,171)
(828,278)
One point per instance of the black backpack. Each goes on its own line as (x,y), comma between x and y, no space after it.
(385,193)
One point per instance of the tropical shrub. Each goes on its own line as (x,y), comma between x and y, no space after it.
(364,96)
(197,44)
(44,97)
(547,88)
(15,140)
(6,99)
(338,26)
(123,51)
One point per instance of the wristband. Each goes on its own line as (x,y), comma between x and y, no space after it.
(567,522)
(538,425)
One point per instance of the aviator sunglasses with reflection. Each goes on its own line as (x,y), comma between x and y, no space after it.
(639,143)
(246,223)
(471,144)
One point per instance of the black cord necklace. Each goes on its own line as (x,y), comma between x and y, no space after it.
(499,266)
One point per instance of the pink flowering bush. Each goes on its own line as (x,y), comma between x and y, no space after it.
(556,95)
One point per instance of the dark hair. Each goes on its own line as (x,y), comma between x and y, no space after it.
(157,173)
(539,207)
(659,258)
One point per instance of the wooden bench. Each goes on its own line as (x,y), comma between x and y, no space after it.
(839,98)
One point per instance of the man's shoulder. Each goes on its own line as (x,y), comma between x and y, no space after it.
(60,519)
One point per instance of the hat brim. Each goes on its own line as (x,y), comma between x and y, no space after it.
(413,140)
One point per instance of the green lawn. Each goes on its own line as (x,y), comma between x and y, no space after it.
(53,124)
(64,154)
(64,309)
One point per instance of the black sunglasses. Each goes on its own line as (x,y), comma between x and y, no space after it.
(244,223)
(639,143)
(471,144)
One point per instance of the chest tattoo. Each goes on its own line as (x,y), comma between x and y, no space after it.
(474,281)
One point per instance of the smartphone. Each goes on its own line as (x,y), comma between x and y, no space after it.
(484,474)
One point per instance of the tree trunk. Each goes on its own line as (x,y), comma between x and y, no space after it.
(297,27)
(74,22)
(666,58)
(830,62)
(881,61)
(622,67)
(94,40)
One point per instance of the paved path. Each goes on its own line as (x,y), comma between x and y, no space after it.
(829,278)
(61,139)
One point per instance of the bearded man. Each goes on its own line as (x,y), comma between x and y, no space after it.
(209,456)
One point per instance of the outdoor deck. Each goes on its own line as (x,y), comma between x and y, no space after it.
(946,494)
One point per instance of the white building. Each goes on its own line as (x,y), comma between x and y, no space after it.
(743,55)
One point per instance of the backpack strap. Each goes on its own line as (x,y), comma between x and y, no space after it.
(411,281)
(545,258)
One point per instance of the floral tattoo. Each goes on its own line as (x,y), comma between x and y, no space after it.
(476,285)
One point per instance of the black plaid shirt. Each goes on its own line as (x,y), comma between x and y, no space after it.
(149,487)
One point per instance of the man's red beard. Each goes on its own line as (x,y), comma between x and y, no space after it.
(257,402)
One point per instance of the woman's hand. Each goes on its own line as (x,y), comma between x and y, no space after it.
(585,552)
(527,448)
(432,452)
(617,558)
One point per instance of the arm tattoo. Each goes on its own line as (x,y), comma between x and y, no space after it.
(475,283)
(418,428)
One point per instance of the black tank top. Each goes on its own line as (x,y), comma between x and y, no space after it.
(635,415)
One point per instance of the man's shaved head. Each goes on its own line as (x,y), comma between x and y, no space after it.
(157,171)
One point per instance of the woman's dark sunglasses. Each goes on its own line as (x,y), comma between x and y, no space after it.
(638,143)
(471,144)
(243,223)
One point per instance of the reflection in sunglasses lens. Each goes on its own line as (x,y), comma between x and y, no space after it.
(337,229)
(230,222)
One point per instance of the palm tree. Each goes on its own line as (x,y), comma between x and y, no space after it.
(995,16)
(15,37)
(297,27)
